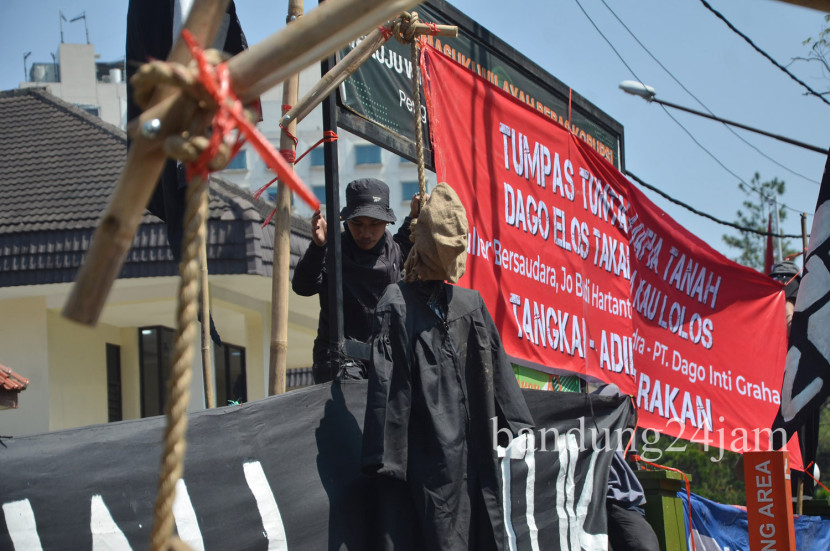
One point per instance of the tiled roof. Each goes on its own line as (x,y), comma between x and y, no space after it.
(9,380)
(58,167)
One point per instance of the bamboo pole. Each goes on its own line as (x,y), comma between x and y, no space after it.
(282,237)
(351,63)
(332,79)
(286,52)
(318,34)
(207,364)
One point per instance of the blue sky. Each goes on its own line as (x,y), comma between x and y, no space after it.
(710,60)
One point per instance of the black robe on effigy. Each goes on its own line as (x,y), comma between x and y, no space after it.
(440,375)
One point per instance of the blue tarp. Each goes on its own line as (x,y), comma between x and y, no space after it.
(724,527)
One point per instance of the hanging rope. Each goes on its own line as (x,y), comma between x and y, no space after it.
(404,30)
(419,132)
(209,82)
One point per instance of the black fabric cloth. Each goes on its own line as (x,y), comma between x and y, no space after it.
(365,276)
(149,37)
(628,529)
(623,486)
(439,376)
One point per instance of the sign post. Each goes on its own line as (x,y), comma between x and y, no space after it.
(769,501)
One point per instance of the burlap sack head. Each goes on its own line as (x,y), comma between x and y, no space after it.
(440,239)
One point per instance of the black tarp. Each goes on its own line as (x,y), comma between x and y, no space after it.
(282,473)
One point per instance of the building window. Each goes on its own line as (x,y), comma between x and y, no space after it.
(91,109)
(239,162)
(114,410)
(316,157)
(231,382)
(320,193)
(408,189)
(155,353)
(366,154)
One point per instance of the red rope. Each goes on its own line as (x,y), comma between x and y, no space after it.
(807,472)
(286,108)
(229,115)
(261,190)
(289,155)
(433,29)
(688,491)
(385,31)
(636,424)
(328,136)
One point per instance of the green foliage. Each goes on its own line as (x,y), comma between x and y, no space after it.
(716,474)
(819,49)
(754,215)
(823,452)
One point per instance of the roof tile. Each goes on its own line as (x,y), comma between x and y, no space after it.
(58,168)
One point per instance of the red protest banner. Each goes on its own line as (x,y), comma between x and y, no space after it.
(583,273)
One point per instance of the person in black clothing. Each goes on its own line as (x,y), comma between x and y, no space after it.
(628,529)
(372,259)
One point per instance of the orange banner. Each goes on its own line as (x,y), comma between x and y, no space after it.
(769,501)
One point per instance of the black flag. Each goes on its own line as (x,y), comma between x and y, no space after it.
(807,375)
(284,473)
(150,29)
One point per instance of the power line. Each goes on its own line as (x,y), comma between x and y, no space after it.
(707,215)
(741,180)
(763,53)
(732,130)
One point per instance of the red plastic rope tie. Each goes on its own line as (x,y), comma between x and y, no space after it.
(433,29)
(286,108)
(807,472)
(261,190)
(229,115)
(328,136)
(289,155)
(290,135)
(688,491)
(385,31)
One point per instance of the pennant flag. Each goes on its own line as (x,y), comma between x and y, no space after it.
(769,259)
(807,374)
(283,473)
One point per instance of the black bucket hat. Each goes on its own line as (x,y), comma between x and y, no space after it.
(368,197)
(787,273)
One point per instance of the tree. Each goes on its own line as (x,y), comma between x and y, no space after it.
(819,50)
(757,207)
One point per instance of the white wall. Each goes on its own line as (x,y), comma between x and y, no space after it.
(78,371)
(23,329)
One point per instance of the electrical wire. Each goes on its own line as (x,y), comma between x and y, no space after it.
(707,215)
(728,127)
(763,53)
(741,180)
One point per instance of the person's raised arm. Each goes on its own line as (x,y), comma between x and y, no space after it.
(308,275)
